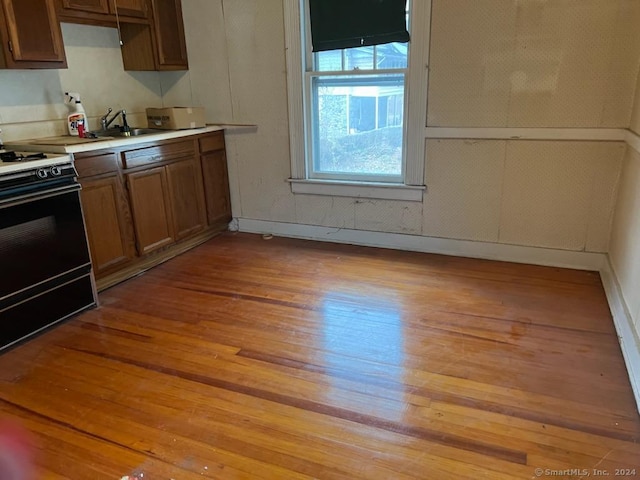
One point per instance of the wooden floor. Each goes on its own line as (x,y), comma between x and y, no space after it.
(286,359)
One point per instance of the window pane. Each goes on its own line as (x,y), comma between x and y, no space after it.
(392,55)
(361,58)
(329,61)
(358,127)
(380,57)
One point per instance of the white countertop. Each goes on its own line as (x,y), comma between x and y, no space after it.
(26,145)
(12,167)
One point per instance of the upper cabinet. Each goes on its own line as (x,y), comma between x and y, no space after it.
(169,31)
(103,12)
(89,6)
(131,8)
(31,35)
(160,45)
(152,31)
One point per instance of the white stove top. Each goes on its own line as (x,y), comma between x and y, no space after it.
(52,159)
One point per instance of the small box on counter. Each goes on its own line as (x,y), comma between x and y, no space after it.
(176,118)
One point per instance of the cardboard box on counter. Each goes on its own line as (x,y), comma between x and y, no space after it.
(176,118)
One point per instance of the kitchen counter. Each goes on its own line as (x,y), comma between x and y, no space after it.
(13,167)
(110,142)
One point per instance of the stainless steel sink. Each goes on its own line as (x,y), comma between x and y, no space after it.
(136,132)
(133,132)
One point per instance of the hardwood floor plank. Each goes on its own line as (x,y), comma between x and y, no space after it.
(545,404)
(173,421)
(332,411)
(152,449)
(481,365)
(257,415)
(298,360)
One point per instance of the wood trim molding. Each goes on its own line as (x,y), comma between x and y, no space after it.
(417,92)
(633,140)
(579,134)
(292,13)
(410,193)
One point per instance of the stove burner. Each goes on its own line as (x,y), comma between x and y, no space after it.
(12,156)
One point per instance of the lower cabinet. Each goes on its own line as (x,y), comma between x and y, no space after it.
(108,223)
(214,169)
(216,183)
(167,203)
(152,215)
(186,197)
(145,203)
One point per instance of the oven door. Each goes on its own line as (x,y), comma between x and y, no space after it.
(42,238)
(45,271)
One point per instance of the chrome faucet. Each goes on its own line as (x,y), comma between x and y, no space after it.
(105,121)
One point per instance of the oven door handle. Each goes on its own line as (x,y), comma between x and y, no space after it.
(32,197)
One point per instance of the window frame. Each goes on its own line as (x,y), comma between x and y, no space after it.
(411,186)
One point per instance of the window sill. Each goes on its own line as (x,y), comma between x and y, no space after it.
(381,191)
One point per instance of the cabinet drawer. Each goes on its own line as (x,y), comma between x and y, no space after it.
(96,165)
(212,142)
(161,153)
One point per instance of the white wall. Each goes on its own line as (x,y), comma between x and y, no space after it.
(625,237)
(531,63)
(525,64)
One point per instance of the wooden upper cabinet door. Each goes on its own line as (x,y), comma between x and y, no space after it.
(187,197)
(93,6)
(169,32)
(152,216)
(130,8)
(34,38)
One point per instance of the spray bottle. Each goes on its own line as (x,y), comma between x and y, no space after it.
(77,119)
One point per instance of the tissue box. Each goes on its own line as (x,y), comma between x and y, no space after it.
(175,118)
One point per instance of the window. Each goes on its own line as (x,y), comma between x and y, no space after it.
(353,125)
(356,117)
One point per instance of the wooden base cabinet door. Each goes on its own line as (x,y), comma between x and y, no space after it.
(152,216)
(216,186)
(187,198)
(108,223)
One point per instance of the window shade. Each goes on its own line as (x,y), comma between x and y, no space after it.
(337,24)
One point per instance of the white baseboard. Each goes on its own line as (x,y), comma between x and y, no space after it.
(418,243)
(629,342)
